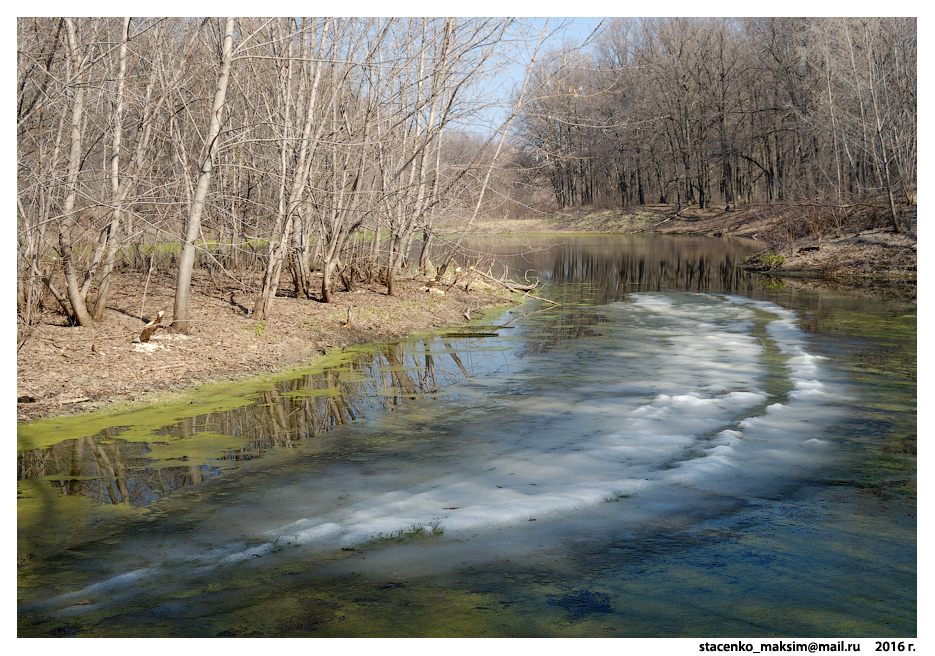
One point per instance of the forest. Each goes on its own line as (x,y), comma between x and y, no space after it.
(467,327)
(818,111)
(269,150)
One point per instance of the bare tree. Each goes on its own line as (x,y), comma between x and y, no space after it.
(109,242)
(77,65)
(180,320)
(809,111)
(282,232)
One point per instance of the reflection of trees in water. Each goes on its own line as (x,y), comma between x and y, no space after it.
(109,470)
(97,467)
(566,322)
(602,273)
(593,271)
(609,280)
(581,274)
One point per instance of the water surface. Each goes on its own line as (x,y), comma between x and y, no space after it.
(679,449)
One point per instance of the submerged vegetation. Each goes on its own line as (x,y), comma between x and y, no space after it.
(588,514)
(662,435)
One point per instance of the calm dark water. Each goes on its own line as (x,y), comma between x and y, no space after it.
(678,449)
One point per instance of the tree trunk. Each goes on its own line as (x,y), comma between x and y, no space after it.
(884,162)
(327,282)
(114,227)
(307,146)
(180,321)
(75,298)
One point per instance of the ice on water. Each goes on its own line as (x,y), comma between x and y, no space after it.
(671,402)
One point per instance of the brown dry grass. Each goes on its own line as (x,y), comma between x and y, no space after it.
(58,364)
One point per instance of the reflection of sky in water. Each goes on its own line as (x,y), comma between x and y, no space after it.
(681,402)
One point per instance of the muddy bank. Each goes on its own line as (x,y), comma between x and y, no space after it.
(68,370)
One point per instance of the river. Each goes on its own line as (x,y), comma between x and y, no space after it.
(679,448)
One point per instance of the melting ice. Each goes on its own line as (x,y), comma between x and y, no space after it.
(682,398)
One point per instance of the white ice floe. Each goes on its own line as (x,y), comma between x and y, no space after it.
(670,404)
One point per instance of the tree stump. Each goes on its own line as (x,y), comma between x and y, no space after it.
(151,327)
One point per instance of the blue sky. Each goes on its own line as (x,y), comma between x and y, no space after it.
(562,31)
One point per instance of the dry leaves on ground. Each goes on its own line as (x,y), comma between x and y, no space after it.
(63,369)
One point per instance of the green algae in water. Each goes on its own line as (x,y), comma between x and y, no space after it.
(882,356)
(819,560)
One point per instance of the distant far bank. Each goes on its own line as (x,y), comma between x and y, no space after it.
(797,239)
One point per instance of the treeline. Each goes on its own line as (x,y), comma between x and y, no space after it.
(323,143)
(287,146)
(818,111)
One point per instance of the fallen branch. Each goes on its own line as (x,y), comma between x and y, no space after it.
(513,287)
(53,401)
(665,221)
(541,298)
(499,298)
(520,316)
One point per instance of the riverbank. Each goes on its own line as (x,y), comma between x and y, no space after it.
(65,370)
(852,249)
(68,370)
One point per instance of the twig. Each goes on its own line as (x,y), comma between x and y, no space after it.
(146,287)
(78,400)
(26,336)
(509,285)
(96,338)
(520,316)
(541,298)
